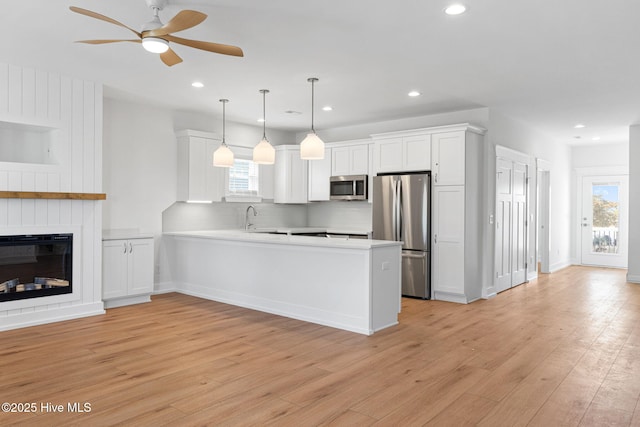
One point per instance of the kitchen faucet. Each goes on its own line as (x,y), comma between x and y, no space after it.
(247,224)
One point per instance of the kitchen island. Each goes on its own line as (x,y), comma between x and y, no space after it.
(351,284)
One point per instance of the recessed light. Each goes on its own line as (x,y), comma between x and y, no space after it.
(595,138)
(260,120)
(197,84)
(455,9)
(414,93)
(579,126)
(327,108)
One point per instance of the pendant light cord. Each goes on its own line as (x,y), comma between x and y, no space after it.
(264,115)
(224,103)
(313,80)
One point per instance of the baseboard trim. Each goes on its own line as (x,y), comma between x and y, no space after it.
(633,278)
(24,320)
(164,288)
(554,268)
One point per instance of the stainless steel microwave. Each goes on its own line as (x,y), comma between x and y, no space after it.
(348,187)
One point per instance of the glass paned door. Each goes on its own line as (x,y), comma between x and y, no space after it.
(605,206)
(604,220)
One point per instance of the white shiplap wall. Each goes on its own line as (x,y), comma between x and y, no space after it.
(72,111)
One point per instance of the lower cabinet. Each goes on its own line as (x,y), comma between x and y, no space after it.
(127,271)
(448,209)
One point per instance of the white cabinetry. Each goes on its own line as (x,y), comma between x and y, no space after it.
(350,160)
(402,151)
(456,205)
(290,175)
(448,158)
(319,174)
(198,179)
(127,271)
(447,219)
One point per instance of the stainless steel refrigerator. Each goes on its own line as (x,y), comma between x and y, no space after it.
(402,212)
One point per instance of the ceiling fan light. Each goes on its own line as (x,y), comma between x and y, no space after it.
(223,157)
(155,44)
(264,153)
(312,147)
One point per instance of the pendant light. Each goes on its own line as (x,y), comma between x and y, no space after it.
(312,147)
(223,156)
(264,153)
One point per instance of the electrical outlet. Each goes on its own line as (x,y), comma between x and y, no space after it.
(385,265)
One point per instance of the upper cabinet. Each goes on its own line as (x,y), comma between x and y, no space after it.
(319,174)
(290,175)
(402,151)
(198,179)
(448,155)
(350,159)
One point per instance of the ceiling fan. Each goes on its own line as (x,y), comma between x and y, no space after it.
(156,36)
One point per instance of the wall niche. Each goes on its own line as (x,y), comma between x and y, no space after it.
(26,143)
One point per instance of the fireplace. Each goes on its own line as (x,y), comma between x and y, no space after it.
(35,265)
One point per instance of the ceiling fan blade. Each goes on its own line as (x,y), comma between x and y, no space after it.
(183,20)
(102,18)
(224,49)
(170,58)
(106,41)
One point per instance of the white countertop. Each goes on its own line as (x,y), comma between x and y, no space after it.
(311,230)
(124,234)
(284,239)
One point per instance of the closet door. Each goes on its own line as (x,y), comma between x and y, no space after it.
(511,223)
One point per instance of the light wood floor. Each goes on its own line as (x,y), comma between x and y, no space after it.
(562,350)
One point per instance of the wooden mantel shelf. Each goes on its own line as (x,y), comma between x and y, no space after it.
(51,195)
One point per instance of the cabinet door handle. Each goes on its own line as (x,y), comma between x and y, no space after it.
(125,247)
(435,238)
(130,248)
(436,177)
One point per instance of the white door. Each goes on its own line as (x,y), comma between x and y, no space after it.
(504,209)
(114,268)
(511,224)
(519,225)
(604,220)
(140,254)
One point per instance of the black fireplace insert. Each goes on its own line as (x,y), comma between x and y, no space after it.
(35,265)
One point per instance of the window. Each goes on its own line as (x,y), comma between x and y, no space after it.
(244,178)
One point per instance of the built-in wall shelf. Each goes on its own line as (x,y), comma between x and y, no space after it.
(51,195)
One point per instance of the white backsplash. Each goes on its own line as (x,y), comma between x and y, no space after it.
(219,216)
(347,215)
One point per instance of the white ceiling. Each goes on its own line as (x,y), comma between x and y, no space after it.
(552,64)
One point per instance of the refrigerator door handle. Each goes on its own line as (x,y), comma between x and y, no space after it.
(394,212)
(400,203)
(397,207)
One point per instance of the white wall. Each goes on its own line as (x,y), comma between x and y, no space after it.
(236,133)
(592,156)
(633,273)
(139,166)
(596,155)
(478,116)
(73,109)
(518,136)
(140,163)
